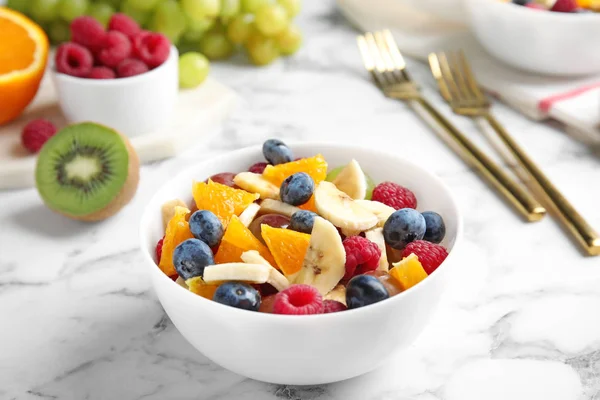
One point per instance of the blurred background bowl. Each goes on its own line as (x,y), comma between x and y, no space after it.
(537,41)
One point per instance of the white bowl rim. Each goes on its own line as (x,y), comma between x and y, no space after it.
(345,314)
(173,53)
(550,14)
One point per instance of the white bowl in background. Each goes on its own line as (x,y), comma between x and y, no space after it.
(537,41)
(133,106)
(304,350)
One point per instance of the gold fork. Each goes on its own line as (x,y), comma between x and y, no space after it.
(459,88)
(383,60)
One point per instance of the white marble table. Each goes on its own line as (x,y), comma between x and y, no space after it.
(520,321)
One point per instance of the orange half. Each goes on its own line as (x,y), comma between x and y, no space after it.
(23,56)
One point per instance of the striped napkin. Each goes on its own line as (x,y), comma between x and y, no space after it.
(574,102)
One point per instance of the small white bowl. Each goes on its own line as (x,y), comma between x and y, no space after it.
(133,106)
(537,41)
(304,350)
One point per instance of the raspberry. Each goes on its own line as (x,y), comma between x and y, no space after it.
(298,300)
(362,256)
(330,306)
(102,73)
(73,59)
(87,32)
(36,133)
(258,168)
(152,48)
(116,48)
(131,67)
(430,255)
(159,246)
(394,195)
(123,23)
(565,6)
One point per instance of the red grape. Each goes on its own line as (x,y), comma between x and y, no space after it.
(274,220)
(266,305)
(224,178)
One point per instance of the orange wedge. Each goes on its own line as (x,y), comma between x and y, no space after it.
(288,247)
(201,288)
(222,200)
(408,272)
(238,239)
(315,166)
(23,56)
(178,230)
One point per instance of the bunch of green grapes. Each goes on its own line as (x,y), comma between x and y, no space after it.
(215,28)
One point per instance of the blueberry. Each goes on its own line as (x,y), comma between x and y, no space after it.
(190,257)
(238,295)
(297,189)
(435,229)
(207,227)
(402,227)
(363,290)
(276,152)
(302,221)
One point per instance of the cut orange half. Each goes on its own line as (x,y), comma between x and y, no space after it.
(23,56)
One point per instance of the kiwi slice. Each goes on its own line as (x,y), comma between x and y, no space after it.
(87,171)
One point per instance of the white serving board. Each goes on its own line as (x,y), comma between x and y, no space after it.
(199,113)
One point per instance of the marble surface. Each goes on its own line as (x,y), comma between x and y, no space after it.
(520,320)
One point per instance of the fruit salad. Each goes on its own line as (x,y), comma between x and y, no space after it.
(564,6)
(292,236)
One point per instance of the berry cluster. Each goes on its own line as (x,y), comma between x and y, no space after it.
(124,50)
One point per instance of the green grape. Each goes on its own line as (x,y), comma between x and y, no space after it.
(199,9)
(215,46)
(331,175)
(196,28)
(116,4)
(271,20)
(193,69)
(169,20)
(71,9)
(140,16)
(19,5)
(230,8)
(101,11)
(289,40)
(239,28)
(44,10)
(252,6)
(261,49)
(291,6)
(143,5)
(185,46)
(59,31)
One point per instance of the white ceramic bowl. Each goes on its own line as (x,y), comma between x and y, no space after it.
(304,350)
(133,106)
(537,41)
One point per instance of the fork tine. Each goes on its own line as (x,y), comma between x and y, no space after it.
(434,65)
(392,74)
(448,78)
(397,58)
(470,77)
(380,67)
(368,60)
(459,77)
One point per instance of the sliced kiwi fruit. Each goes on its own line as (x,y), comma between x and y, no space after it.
(87,171)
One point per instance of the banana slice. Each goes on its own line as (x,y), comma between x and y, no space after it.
(248,215)
(269,206)
(376,236)
(324,263)
(338,293)
(255,273)
(255,183)
(276,278)
(343,212)
(381,210)
(352,181)
(168,210)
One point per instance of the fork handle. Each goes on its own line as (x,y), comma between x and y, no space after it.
(520,199)
(583,233)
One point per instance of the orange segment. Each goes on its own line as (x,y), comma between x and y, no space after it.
(201,288)
(315,166)
(408,272)
(23,56)
(238,239)
(177,231)
(222,200)
(309,205)
(288,247)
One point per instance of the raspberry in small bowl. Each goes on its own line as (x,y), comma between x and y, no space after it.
(125,78)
